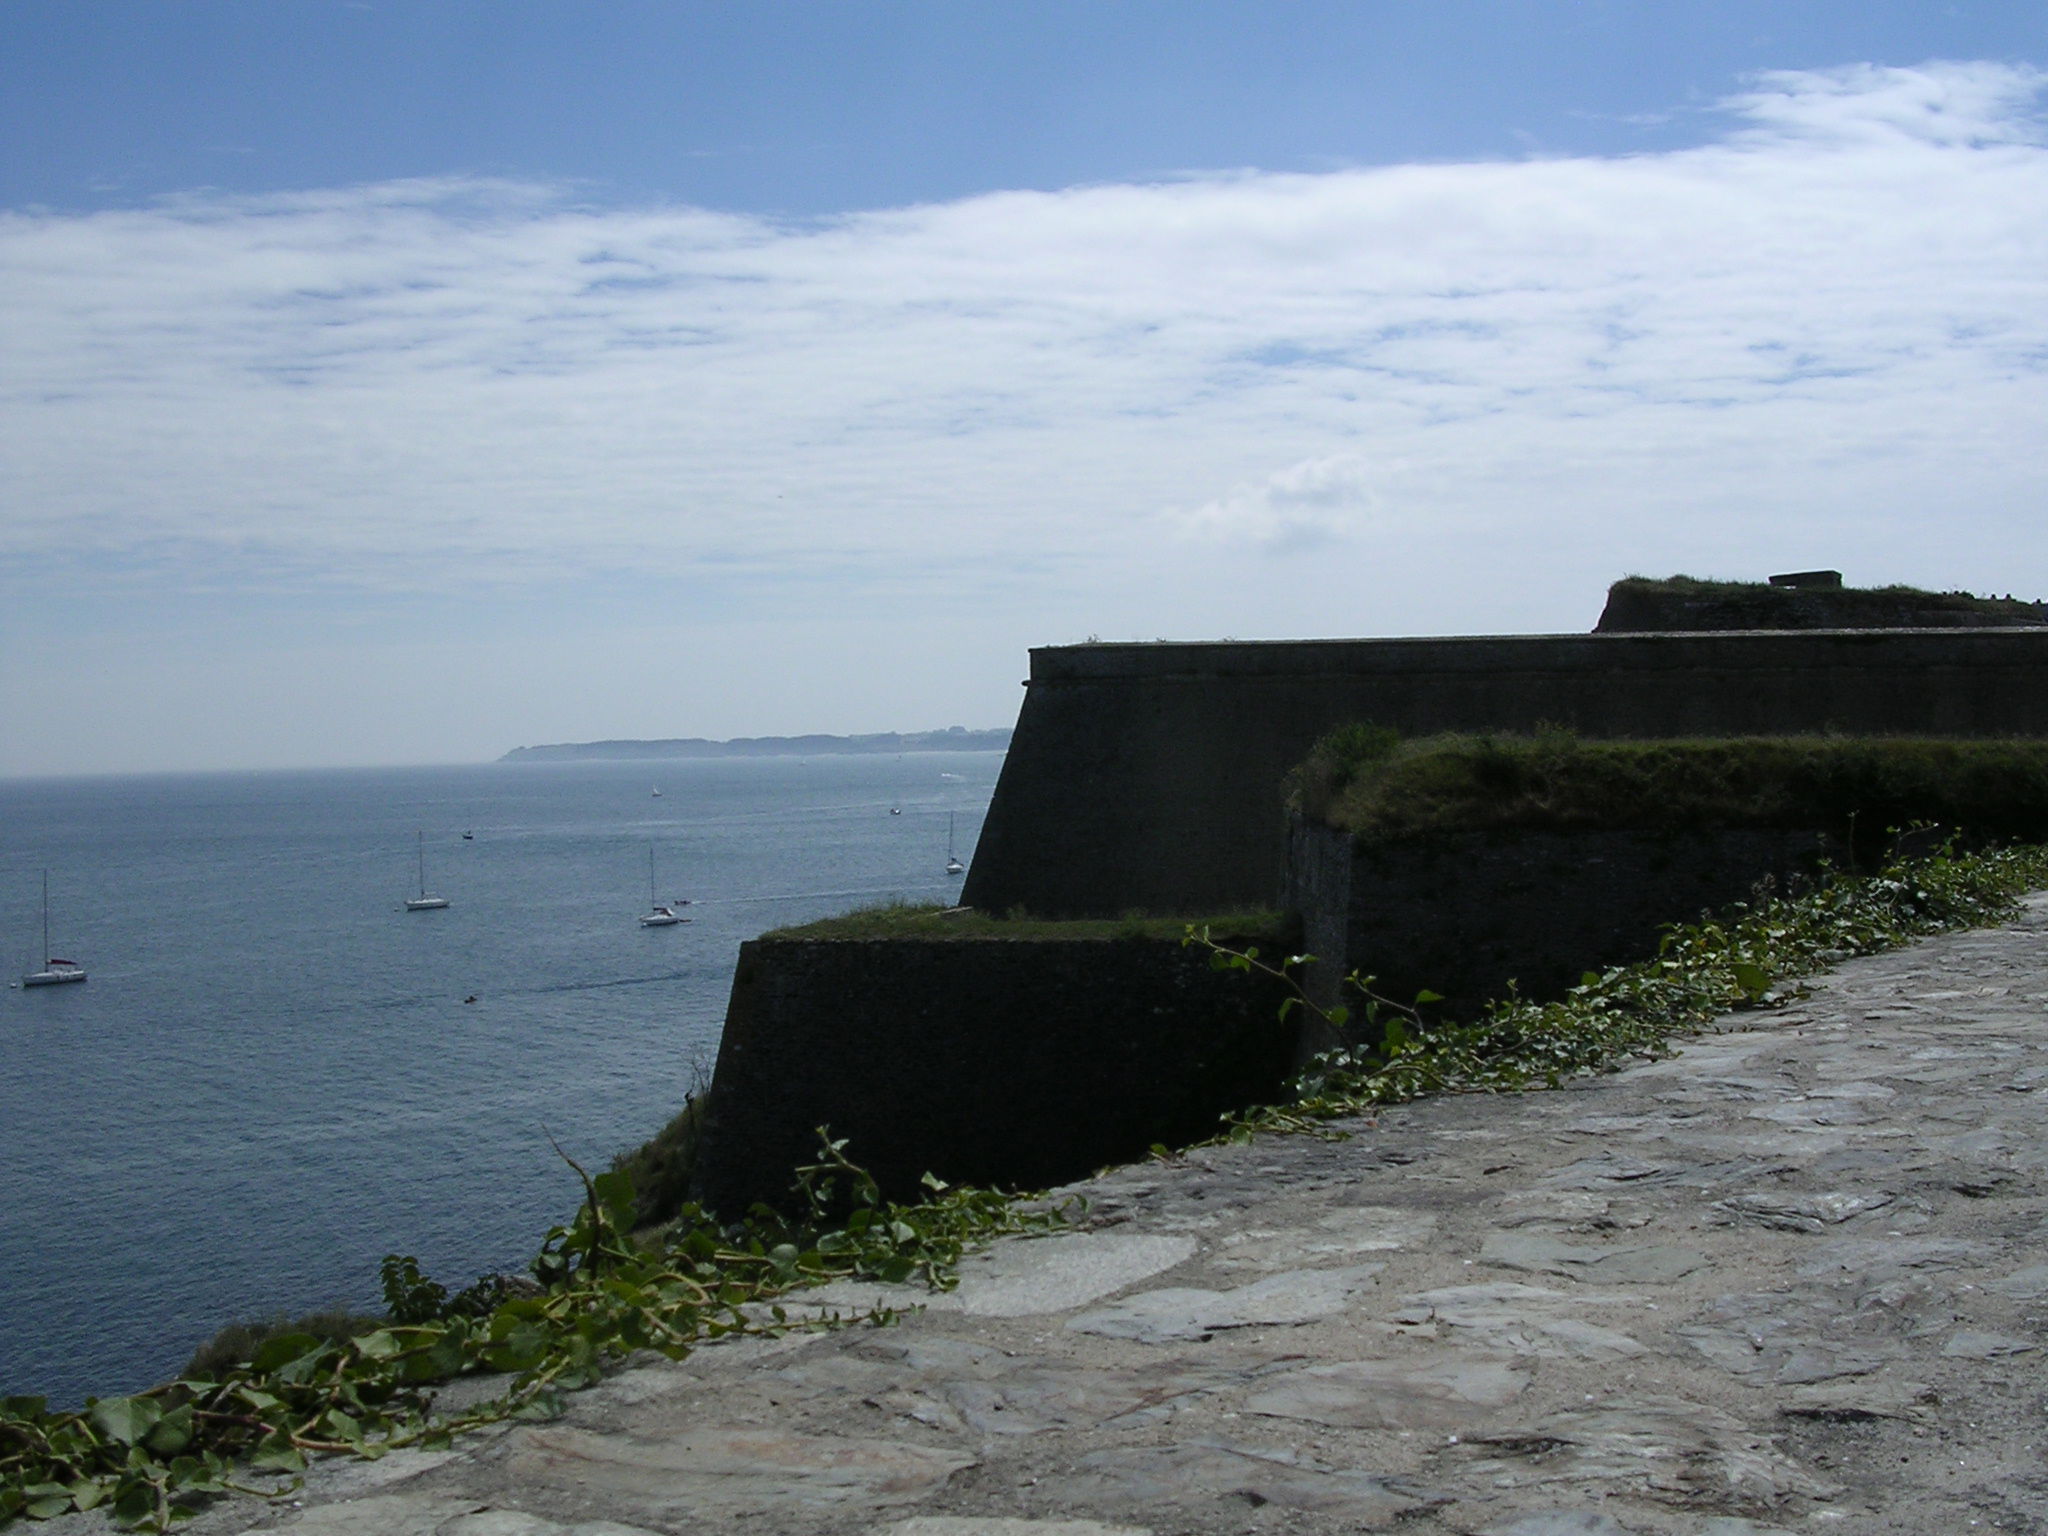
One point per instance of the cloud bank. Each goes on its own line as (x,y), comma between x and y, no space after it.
(1834,317)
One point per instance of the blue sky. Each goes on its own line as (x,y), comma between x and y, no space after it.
(405,382)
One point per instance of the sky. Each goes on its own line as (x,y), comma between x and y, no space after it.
(402,381)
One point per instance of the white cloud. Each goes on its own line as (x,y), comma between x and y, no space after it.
(1819,339)
(1313,502)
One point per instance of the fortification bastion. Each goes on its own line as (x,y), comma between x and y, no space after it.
(1149,777)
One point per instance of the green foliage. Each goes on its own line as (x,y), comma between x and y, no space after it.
(1554,779)
(409,1296)
(238,1342)
(1701,971)
(660,1167)
(251,1424)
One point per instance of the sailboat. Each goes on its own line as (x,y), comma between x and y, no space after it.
(54,970)
(423,902)
(953,864)
(660,916)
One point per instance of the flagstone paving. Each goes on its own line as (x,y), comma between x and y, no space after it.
(1793,1278)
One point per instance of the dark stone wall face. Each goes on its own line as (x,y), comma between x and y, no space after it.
(1468,914)
(1150,777)
(1019,1063)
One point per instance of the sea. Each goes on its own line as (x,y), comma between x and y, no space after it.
(275,1075)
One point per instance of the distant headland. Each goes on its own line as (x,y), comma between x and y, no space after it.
(956,738)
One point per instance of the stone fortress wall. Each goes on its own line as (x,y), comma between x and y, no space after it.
(1150,777)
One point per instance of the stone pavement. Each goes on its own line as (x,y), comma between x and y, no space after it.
(1792,1279)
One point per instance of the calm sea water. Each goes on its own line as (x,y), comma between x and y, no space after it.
(273,1077)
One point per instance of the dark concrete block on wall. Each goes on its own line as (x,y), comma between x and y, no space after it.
(1467,914)
(1019,1063)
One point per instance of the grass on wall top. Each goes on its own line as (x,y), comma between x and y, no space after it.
(1763,598)
(1368,780)
(896,920)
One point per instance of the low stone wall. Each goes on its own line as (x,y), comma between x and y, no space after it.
(1015,1062)
(1466,914)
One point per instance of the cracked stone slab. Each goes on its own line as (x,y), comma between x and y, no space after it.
(1875,1258)
(986,1525)
(1560,1522)
(1644,1264)
(413,1514)
(516,1522)
(1019,1277)
(1969,1345)
(1341,1234)
(1213,1471)
(2029,1284)
(388,1514)
(1803,1213)
(1788,1348)
(1515,1319)
(726,1471)
(1298,1296)
(1866,1398)
(1679,1452)
(960,1385)
(1391,1394)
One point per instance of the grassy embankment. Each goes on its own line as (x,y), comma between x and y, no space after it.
(1381,787)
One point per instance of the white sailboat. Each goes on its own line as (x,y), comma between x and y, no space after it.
(423,902)
(953,864)
(54,970)
(660,916)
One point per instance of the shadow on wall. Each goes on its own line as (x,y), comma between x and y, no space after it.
(1016,1063)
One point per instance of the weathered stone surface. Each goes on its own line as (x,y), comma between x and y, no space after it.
(1022,1277)
(1678,1451)
(726,1471)
(514,1522)
(1804,1213)
(1246,1476)
(1633,1305)
(1969,1345)
(1333,1238)
(1649,1263)
(1521,1320)
(386,1515)
(1298,1296)
(971,1525)
(1392,1394)
(1559,1522)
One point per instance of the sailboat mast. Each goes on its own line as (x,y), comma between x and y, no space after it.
(46,917)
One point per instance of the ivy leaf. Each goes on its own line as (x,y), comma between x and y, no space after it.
(171,1433)
(284,1350)
(126,1419)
